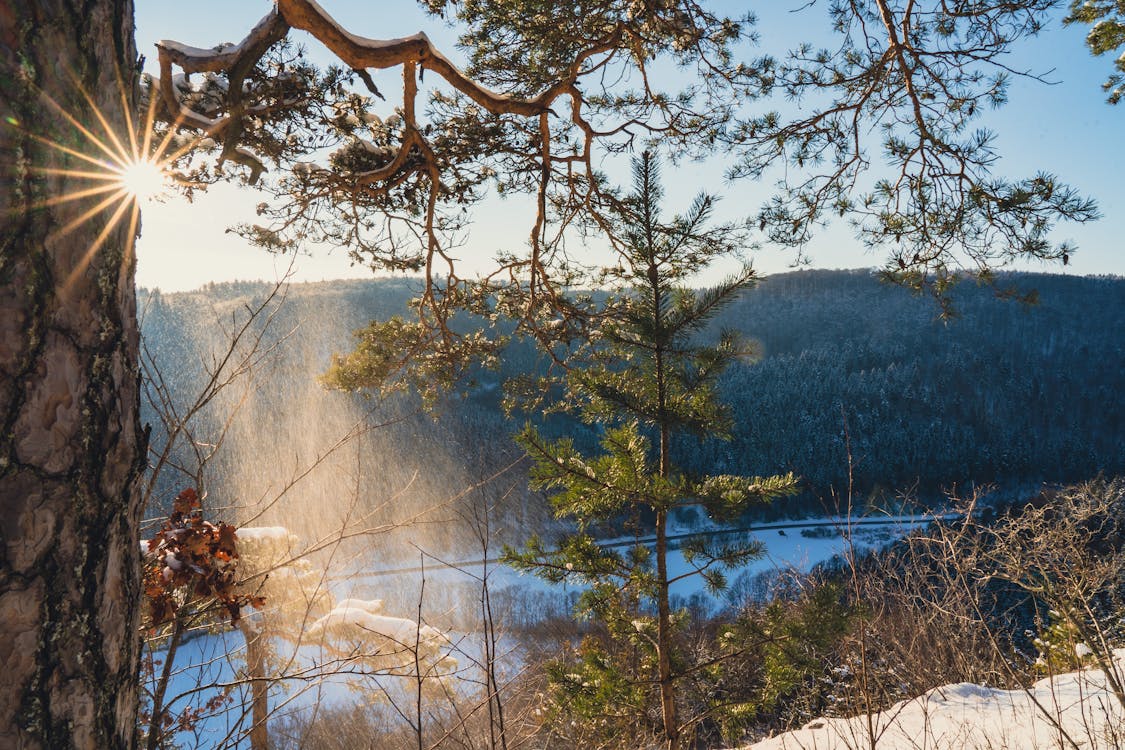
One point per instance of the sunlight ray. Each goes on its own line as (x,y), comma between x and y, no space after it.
(108,186)
(129,125)
(68,150)
(191,144)
(162,147)
(75,222)
(122,152)
(103,176)
(150,120)
(96,245)
(119,169)
(75,195)
(82,128)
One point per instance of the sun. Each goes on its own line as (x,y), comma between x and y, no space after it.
(142,179)
(133,168)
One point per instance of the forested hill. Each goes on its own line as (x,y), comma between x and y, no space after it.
(1005,393)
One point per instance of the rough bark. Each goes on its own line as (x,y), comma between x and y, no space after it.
(70,442)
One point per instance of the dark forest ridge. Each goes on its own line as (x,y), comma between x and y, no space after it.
(1006,393)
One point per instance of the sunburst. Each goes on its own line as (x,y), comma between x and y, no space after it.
(143,180)
(122,172)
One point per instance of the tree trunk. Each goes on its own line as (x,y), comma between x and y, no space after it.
(664,634)
(71,448)
(256,648)
(663,597)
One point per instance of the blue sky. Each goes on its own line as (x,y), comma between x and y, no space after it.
(1067,129)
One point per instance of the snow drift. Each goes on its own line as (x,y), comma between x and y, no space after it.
(1076,709)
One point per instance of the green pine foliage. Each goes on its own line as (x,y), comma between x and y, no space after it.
(1106,19)
(398,355)
(646,381)
(778,659)
(596,691)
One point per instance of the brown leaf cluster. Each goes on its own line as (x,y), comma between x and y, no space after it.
(194,560)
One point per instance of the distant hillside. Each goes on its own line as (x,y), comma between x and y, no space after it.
(1006,393)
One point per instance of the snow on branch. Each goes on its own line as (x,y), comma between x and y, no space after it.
(223,56)
(236,60)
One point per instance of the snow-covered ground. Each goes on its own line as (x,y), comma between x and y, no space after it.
(378,604)
(1074,710)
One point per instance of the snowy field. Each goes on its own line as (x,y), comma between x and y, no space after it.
(1074,710)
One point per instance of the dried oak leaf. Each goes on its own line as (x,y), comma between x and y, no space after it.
(226,548)
(185,502)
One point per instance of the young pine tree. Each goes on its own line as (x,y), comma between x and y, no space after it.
(648,381)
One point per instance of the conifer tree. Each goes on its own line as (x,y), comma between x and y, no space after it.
(648,381)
